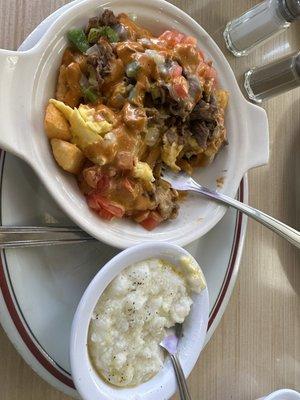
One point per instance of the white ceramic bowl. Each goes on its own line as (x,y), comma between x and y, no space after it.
(283,394)
(28,80)
(162,386)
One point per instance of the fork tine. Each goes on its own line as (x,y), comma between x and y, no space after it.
(179,181)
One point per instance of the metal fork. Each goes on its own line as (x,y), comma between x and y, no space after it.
(183,181)
(169,343)
(31,236)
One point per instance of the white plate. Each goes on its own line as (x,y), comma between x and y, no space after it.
(41,287)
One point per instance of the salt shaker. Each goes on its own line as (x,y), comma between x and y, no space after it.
(269,80)
(260,23)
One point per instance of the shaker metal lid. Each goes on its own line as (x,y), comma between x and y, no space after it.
(290,9)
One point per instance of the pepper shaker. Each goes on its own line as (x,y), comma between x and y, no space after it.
(269,80)
(260,23)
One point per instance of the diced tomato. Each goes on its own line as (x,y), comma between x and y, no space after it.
(207,71)
(189,40)
(175,70)
(128,185)
(179,88)
(96,179)
(91,176)
(114,208)
(103,183)
(172,37)
(211,73)
(105,214)
(92,201)
(152,221)
(141,216)
(104,206)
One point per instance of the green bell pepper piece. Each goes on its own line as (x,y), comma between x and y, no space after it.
(78,38)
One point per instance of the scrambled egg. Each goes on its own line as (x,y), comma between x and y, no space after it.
(85,129)
(143,171)
(170,153)
(193,274)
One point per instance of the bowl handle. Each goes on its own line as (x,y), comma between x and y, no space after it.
(16,83)
(258,133)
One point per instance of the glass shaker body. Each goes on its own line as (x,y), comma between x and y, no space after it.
(254,27)
(272,79)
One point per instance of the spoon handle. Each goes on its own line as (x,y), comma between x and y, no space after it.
(290,234)
(182,385)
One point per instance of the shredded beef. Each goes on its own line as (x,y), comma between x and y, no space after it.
(101,60)
(181,128)
(171,136)
(203,121)
(106,52)
(214,130)
(200,131)
(175,134)
(204,111)
(170,121)
(148,101)
(93,23)
(163,94)
(152,114)
(178,109)
(107,18)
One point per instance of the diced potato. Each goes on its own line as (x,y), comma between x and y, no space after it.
(127,49)
(68,88)
(68,156)
(115,75)
(117,96)
(135,118)
(71,55)
(56,125)
(124,160)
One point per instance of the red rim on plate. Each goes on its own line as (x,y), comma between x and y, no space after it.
(32,343)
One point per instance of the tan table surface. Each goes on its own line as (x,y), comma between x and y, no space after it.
(256,347)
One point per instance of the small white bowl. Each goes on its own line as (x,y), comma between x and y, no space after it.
(283,394)
(162,386)
(28,80)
